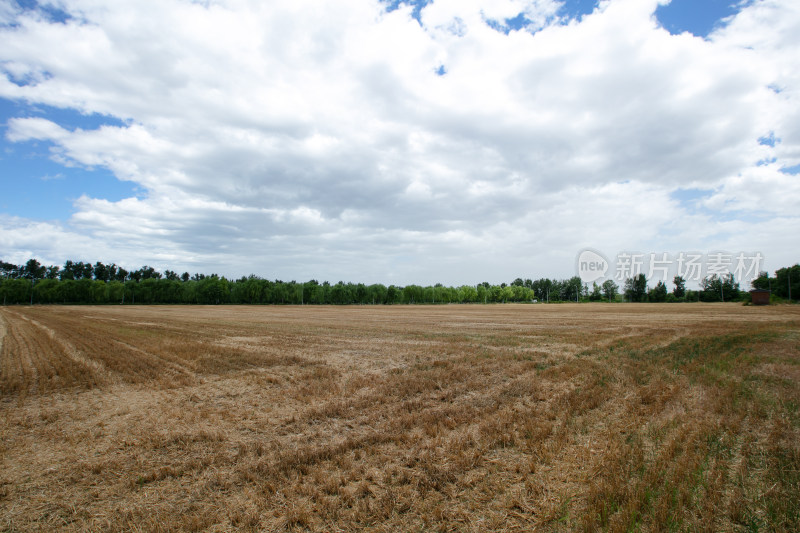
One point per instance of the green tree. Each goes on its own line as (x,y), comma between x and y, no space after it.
(101,272)
(680,287)
(376,293)
(597,292)
(8,270)
(121,274)
(787,282)
(338,294)
(47,291)
(15,291)
(610,289)
(99,292)
(636,288)
(658,293)
(148,272)
(467,294)
(189,292)
(482,294)
(115,291)
(87,270)
(71,270)
(33,270)
(393,294)
(213,290)
(719,288)
(763,281)
(506,294)
(573,288)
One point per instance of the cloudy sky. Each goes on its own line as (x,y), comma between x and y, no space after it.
(397,142)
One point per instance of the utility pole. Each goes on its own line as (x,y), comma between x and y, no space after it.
(33,281)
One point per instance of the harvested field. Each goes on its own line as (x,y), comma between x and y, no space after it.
(446,418)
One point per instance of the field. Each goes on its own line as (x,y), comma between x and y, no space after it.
(428,418)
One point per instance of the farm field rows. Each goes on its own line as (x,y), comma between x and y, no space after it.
(565,417)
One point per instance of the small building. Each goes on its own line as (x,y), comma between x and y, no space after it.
(760,296)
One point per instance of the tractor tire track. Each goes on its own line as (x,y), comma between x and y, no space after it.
(114,358)
(94,366)
(177,373)
(35,360)
(19,373)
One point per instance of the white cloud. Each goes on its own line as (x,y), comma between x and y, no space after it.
(24,129)
(763,189)
(317,140)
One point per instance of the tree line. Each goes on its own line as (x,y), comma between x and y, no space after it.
(784,284)
(714,288)
(99,283)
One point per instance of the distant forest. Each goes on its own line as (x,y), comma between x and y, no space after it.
(98,283)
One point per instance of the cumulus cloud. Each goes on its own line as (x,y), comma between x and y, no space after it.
(299,139)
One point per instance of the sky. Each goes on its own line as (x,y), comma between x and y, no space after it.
(453,141)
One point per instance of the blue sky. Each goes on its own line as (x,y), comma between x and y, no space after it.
(36,185)
(302,144)
(698,17)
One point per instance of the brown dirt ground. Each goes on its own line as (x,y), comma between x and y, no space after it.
(448,418)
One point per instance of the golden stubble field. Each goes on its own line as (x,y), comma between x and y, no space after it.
(441,418)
